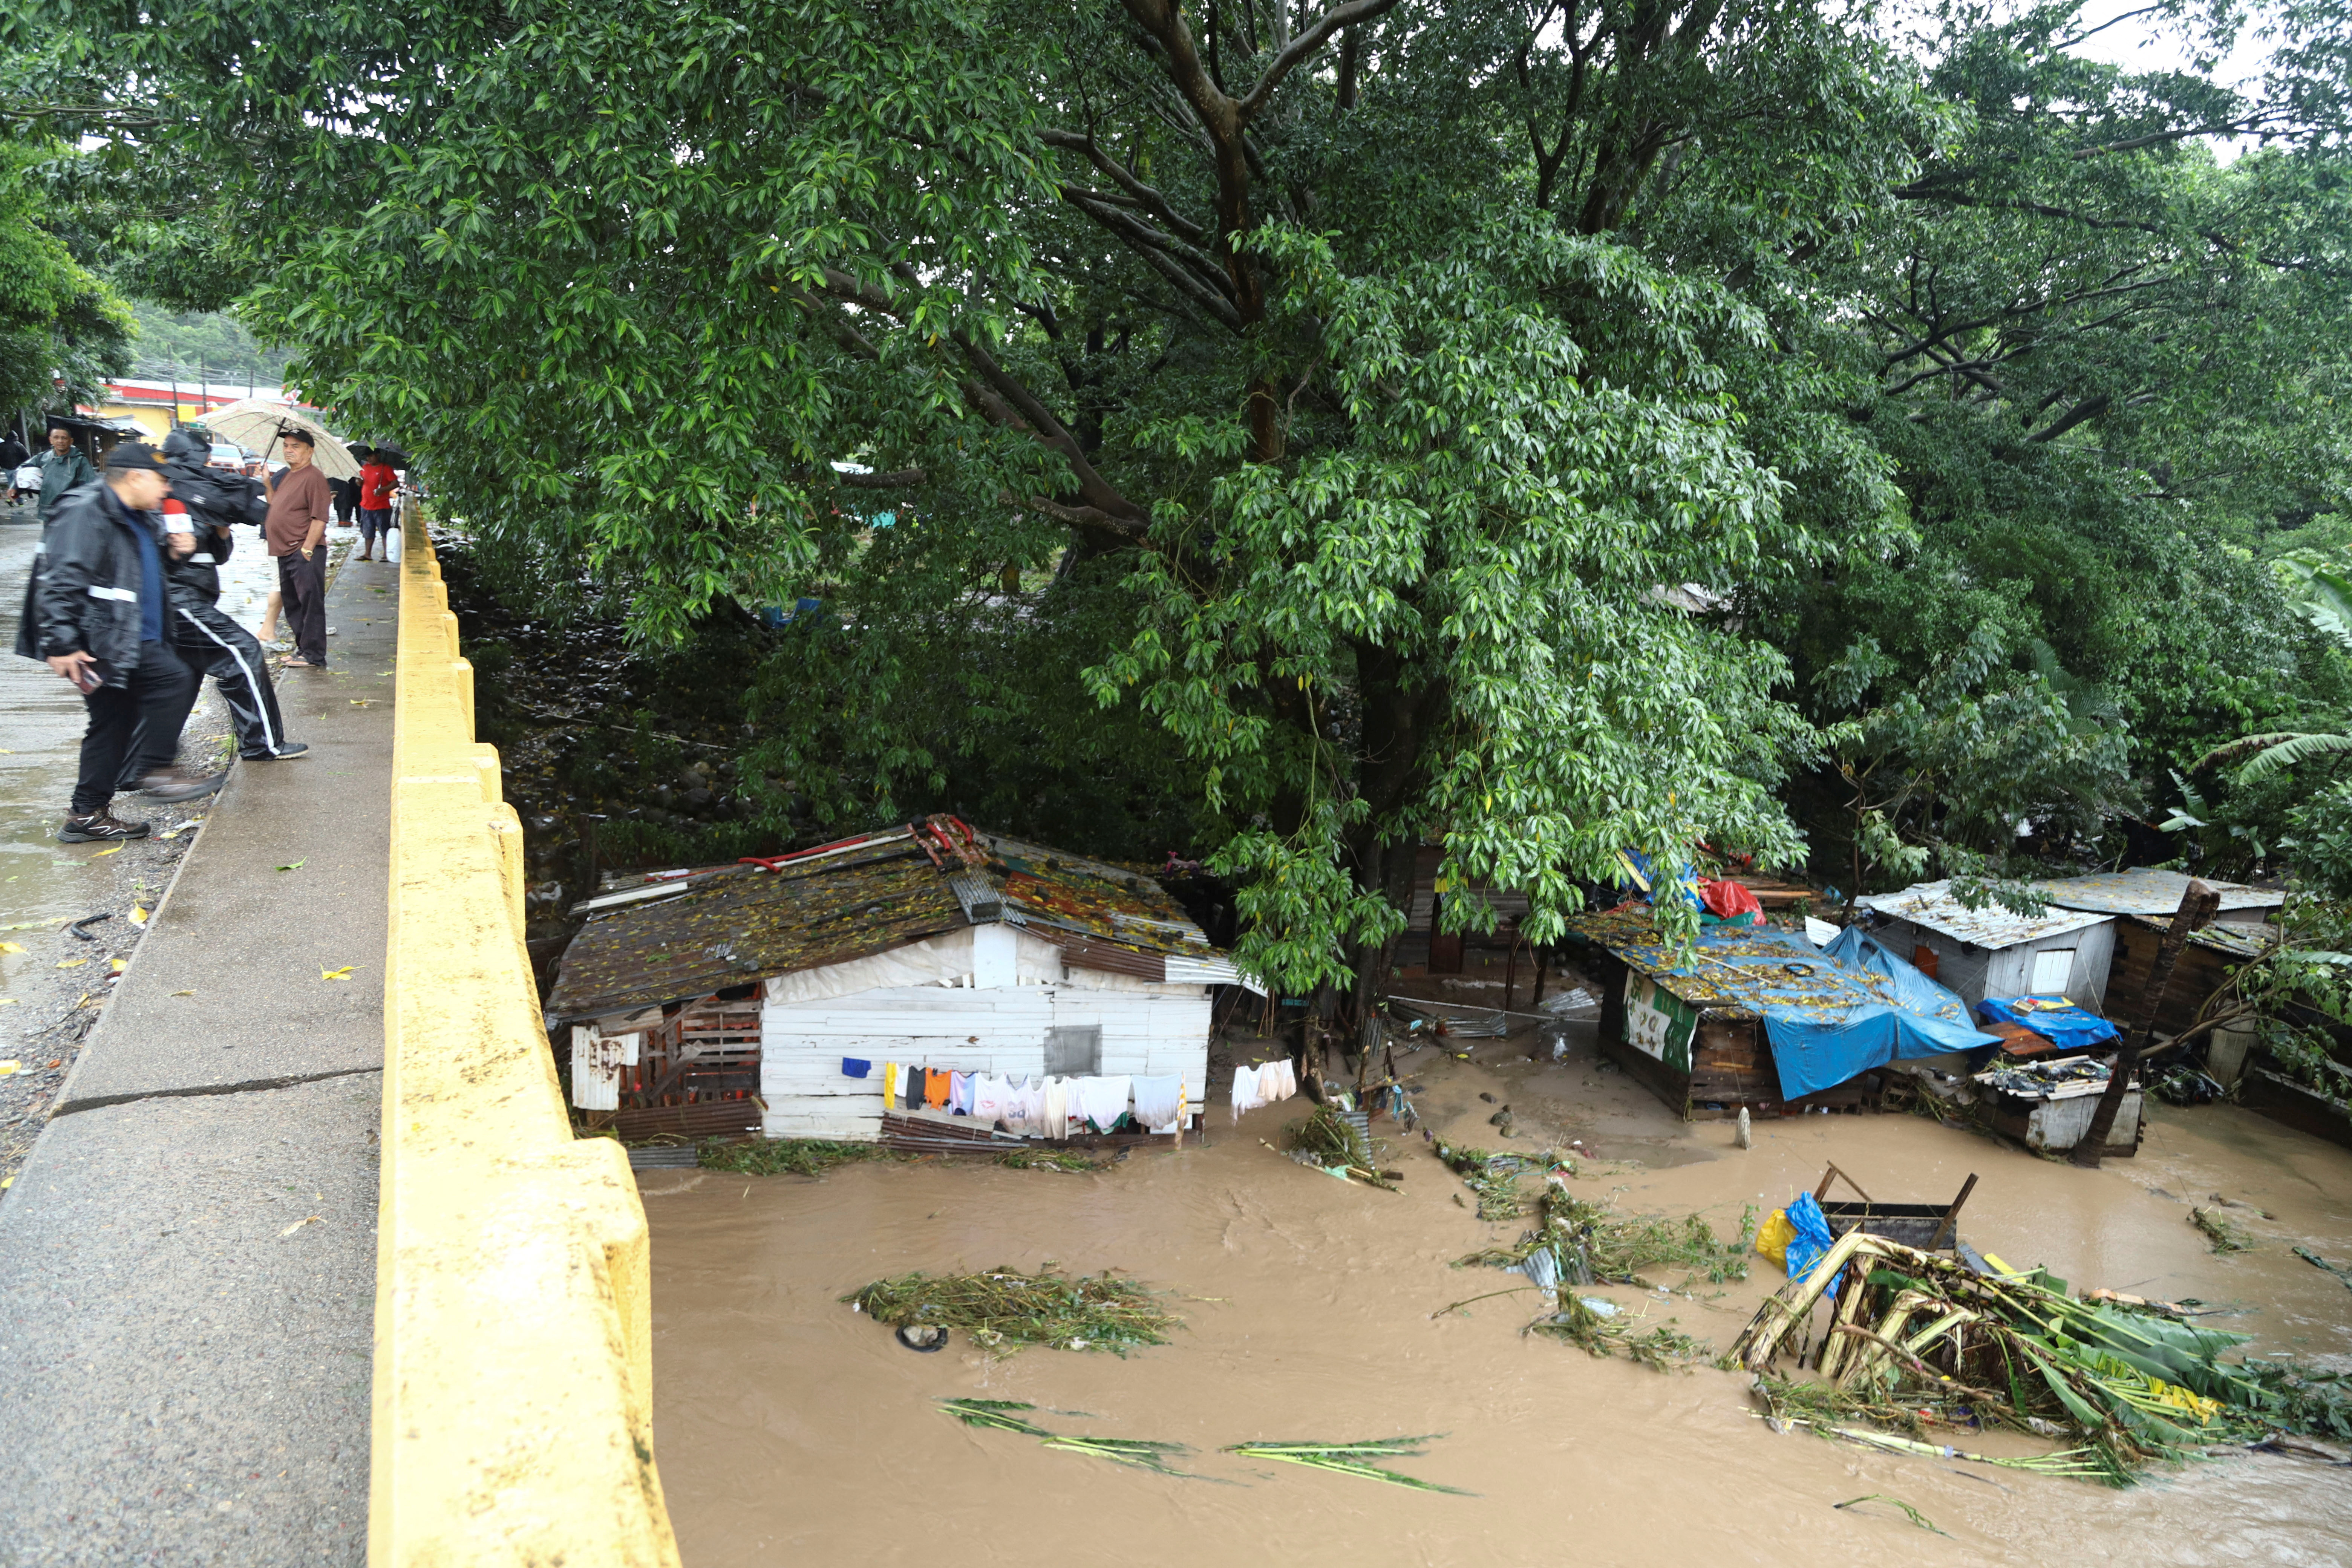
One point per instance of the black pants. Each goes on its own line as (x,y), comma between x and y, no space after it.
(221,648)
(302,599)
(135,729)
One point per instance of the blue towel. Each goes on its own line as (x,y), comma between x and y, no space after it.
(851,1067)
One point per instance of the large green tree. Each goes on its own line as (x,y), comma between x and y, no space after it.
(1380,383)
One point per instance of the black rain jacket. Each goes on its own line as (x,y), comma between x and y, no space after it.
(84,593)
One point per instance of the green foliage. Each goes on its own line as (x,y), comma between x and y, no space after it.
(1303,445)
(787,1156)
(57,318)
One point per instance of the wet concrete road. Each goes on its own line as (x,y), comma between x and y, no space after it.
(187,1259)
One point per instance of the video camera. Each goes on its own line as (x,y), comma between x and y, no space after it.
(216,497)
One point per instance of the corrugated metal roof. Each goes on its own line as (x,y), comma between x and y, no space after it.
(1742,972)
(2144,890)
(1931,904)
(731,925)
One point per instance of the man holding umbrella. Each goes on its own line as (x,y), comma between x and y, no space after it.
(299,507)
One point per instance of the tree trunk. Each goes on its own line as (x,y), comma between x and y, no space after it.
(2198,904)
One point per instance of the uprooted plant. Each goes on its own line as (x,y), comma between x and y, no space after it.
(1495,1178)
(1916,1341)
(1595,1244)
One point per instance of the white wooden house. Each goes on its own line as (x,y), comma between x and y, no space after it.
(736,998)
(1994,950)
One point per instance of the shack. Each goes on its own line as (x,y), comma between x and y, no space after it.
(2204,966)
(1761,1018)
(1994,950)
(772,994)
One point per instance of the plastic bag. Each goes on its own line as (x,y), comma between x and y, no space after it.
(1773,1240)
(1812,1239)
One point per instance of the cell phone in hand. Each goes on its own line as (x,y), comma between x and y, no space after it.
(88,678)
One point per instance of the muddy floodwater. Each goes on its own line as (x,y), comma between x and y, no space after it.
(791,1429)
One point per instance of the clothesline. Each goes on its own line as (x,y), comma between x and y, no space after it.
(1039,1107)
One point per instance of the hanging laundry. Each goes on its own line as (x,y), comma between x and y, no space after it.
(988,1098)
(1156,1099)
(1277,1080)
(852,1068)
(1103,1101)
(1246,1092)
(1057,1107)
(960,1093)
(889,1086)
(936,1082)
(1025,1107)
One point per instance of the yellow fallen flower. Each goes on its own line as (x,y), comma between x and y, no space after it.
(342,974)
(71,962)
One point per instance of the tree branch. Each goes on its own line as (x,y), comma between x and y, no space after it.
(1305,46)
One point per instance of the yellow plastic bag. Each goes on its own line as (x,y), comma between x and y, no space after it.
(1773,1240)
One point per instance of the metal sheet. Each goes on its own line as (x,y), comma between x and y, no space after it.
(1931,904)
(2145,891)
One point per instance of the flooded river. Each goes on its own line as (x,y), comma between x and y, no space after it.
(790,1428)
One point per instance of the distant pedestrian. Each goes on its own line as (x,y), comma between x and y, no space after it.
(95,613)
(63,471)
(300,505)
(13,455)
(377,481)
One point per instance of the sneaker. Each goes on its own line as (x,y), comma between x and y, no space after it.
(99,825)
(284,749)
(178,784)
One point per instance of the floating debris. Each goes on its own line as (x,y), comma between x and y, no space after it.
(788,1156)
(1352,1459)
(2225,1235)
(1007,1310)
(1916,1339)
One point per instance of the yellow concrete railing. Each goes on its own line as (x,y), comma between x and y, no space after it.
(513,1420)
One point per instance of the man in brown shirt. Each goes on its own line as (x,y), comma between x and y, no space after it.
(300,505)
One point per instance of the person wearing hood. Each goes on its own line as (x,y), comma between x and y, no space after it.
(203,505)
(95,614)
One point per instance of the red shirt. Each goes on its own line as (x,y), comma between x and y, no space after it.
(377,481)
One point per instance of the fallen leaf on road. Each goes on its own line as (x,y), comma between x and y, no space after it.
(342,974)
(59,1063)
(72,962)
(119,964)
(7,1068)
(297,865)
(116,850)
(7,1000)
(299,1224)
(175,832)
(184,993)
(137,917)
(12,947)
(362,701)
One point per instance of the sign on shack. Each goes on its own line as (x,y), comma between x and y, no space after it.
(1759,1018)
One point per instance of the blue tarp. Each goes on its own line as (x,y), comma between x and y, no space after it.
(2054,1017)
(1812,1241)
(1829,1013)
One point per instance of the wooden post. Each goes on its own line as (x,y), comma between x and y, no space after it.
(2198,904)
(1511,968)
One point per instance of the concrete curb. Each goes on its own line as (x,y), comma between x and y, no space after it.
(513,1388)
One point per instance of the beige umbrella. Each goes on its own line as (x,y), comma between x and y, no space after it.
(258,423)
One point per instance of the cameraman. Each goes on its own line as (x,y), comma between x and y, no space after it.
(205,502)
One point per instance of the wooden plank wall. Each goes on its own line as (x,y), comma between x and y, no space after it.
(2198,974)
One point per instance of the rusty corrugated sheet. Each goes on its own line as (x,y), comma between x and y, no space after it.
(734,925)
